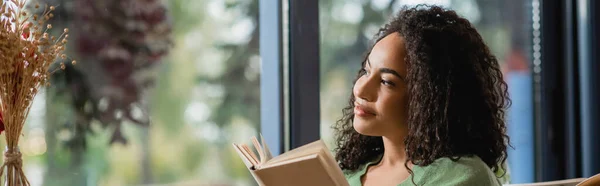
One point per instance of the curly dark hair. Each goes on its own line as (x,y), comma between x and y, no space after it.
(456,94)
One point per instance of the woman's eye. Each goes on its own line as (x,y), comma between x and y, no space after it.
(366,72)
(388,83)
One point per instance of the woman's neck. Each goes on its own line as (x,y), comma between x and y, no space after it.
(394,152)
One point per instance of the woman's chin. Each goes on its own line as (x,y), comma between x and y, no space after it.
(364,128)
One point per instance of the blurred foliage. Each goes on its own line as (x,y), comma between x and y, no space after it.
(208,84)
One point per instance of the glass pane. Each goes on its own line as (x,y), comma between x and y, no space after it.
(191,67)
(347,28)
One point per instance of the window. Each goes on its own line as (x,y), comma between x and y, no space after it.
(205,95)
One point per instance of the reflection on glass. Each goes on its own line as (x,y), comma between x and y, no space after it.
(347,28)
(160,91)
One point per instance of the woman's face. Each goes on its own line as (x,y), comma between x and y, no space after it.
(381,98)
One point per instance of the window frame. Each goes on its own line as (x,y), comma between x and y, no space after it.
(290,103)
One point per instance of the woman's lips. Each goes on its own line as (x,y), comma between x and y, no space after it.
(362,111)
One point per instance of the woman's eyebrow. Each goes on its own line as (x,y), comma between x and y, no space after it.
(387,70)
(390,71)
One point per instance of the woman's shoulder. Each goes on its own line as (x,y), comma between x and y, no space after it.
(353,176)
(463,171)
(465,163)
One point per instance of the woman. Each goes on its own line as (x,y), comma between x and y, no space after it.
(427,107)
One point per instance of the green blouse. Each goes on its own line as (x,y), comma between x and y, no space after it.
(442,172)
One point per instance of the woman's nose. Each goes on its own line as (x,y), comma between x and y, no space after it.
(365,89)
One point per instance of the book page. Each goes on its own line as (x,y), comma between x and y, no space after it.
(266,151)
(308,149)
(247,156)
(289,161)
(250,154)
(264,154)
(260,151)
(244,158)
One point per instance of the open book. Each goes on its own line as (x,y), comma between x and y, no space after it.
(311,164)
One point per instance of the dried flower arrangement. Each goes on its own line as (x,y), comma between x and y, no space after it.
(27,53)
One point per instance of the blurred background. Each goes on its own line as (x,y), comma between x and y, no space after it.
(163,87)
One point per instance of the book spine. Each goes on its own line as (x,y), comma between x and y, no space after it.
(256,177)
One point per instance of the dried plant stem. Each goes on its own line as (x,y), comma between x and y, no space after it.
(15,174)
